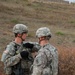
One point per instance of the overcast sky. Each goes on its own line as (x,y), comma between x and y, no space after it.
(70,0)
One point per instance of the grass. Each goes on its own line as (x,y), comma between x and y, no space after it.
(59,17)
(66,63)
(60,33)
(15,21)
(74,41)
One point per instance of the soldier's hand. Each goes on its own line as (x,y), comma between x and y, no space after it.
(28,45)
(24,54)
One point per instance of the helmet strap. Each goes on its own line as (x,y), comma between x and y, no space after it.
(20,36)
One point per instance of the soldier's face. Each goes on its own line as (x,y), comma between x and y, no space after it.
(24,36)
(40,40)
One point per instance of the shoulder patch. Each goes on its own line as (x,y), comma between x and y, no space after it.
(6,51)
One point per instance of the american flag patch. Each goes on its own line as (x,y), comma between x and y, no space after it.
(6,51)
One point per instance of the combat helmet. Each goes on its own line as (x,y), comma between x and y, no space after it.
(20,28)
(43,31)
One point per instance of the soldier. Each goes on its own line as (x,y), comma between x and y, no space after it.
(46,61)
(16,58)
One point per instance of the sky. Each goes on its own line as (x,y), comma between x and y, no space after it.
(70,0)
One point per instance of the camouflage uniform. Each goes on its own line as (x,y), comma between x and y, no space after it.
(12,59)
(46,61)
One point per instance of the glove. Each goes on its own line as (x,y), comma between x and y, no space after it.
(28,45)
(24,54)
(35,48)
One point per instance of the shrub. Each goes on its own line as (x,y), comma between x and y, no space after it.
(59,33)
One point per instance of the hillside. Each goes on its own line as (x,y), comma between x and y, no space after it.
(59,17)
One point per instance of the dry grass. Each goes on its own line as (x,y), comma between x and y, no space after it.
(66,60)
(59,17)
